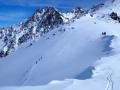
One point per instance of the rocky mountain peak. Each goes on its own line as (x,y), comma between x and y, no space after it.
(45,17)
(41,22)
(78,10)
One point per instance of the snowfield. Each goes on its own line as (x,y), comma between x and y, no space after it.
(61,58)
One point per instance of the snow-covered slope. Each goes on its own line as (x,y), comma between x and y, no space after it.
(106,77)
(110,6)
(40,23)
(57,55)
(66,53)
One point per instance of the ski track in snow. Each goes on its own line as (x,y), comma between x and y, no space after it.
(110,83)
(29,72)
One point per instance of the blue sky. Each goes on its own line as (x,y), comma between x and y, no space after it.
(14,11)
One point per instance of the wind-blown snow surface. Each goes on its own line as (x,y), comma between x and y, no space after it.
(63,55)
(106,77)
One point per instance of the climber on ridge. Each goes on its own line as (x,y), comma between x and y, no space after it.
(104,33)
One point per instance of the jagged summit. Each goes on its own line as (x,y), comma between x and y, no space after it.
(45,17)
(46,9)
(78,10)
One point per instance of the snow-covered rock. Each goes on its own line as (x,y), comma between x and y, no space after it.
(42,21)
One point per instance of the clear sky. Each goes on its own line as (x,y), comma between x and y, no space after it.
(14,11)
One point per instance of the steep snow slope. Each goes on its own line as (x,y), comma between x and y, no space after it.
(106,77)
(41,22)
(110,6)
(56,57)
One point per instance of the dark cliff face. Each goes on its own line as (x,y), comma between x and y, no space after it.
(44,17)
(42,21)
(115,16)
(50,18)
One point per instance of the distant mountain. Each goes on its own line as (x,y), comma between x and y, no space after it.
(41,22)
